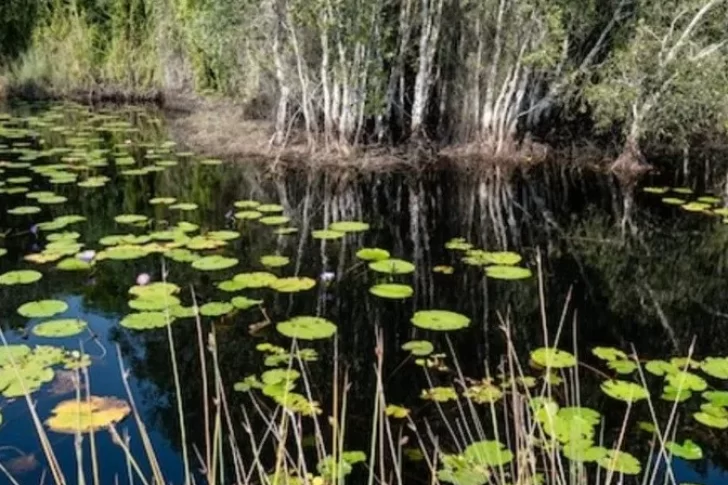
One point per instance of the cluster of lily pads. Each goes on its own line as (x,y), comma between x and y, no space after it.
(684,198)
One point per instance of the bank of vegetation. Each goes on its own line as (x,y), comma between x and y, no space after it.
(485,76)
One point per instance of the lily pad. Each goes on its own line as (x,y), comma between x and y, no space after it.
(421,348)
(154,304)
(673,201)
(214,263)
(184,206)
(274,220)
(258,279)
(372,254)
(327,234)
(216,309)
(87,415)
(687,451)
(488,453)
(162,201)
(146,320)
(443,269)
(715,367)
(60,328)
(554,358)
(21,277)
(244,303)
(349,226)
(711,421)
(248,215)
(293,284)
(392,266)
(620,462)
(507,272)
(274,261)
(158,289)
(307,328)
(440,320)
(269,208)
(246,204)
(74,264)
(624,390)
(131,219)
(223,235)
(42,308)
(392,291)
(24,210)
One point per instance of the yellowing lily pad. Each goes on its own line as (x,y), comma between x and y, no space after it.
(440,320)
(87,415)
(555,358)
(307,328)
(60,328)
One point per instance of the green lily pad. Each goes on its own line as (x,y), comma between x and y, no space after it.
(154,304)
(392,291)
(223,235)
(349,226)
(620,462)
(274,261)
(507,272)
(123,253)
(687,451)
(293,284)
(439,394)
(440,320)
(673,201)
(392,266)
(655,190)
(624,390)
(274,220)
(214,263)
(609,353)
(216,309)
(21,277)
(131,219)
(24,210)
(184,206)
(246,204)
(421,348)
(244,303)
(52,199)
(156,290)
(443,269)
(682,190)
(60,328)
(711,421)
(458,244)
(709,199)
(484,392)
(74,264)
(488,453)
(257,279)
(715,367)
(13,353)
(687,380)
(269,208)
(622,366)
(248,215)
(372,254)
(146,320)
(42,308)
(286,231)
(327,234)
(661,367)
(211,162)
(554,358)
(162,201)
(307,328)
(719,398)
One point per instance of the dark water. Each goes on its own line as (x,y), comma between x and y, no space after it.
(621,270)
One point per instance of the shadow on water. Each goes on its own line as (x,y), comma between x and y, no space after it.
(633,271)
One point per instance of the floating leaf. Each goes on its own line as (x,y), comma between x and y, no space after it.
(443,269)
(246,204)
(396,412)
(620,462)
(420,348)
(673,201)
(292,284)
(714,366)
(74,264)
(622,366)
(274,261)
(609,353)
(131,219)
(440,320)
(327,234)
(269,208)
(146,320)
(392,291)
(42,308)
(483,393)
(392,266)
(223,235)
(624,390)
(154,304)
(214,263)
(307,328)
(24,210)
(660,367)
(554,358)
(87,415)
(21,277)
(507,272)
(439,394)
(349,226)
(243,303)
(184,206)
(372,254)
(687,451)
(274,220)
(255,280)
(60,328)
(248,215)
(216,309)
(488,453)
(655,190)
(162,201)
(156,290)
(458,244)
(687,380)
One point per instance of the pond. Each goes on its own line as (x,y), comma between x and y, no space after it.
(327,297)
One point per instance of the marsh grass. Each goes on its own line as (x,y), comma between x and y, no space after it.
(275,434)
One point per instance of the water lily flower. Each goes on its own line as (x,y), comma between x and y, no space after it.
(34,229)
(143,279)
(327,276)
(87,255)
